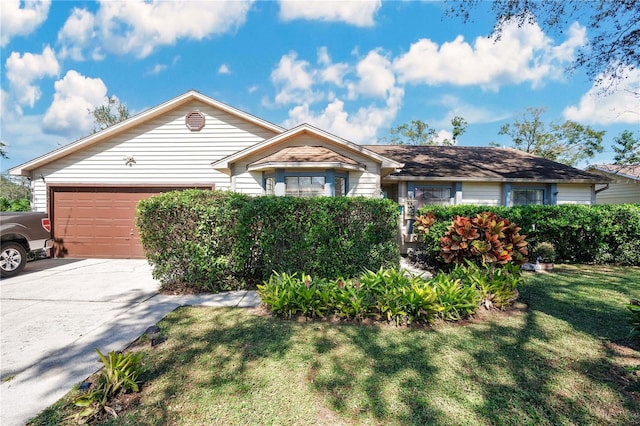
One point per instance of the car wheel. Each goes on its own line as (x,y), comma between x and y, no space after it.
(13,258)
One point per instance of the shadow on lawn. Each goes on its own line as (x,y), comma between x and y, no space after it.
(522,367)
(219,354)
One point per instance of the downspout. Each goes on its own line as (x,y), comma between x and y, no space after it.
(595,192)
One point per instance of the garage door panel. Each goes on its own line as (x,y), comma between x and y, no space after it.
(98,221)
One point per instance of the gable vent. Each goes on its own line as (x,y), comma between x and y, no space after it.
(194,121)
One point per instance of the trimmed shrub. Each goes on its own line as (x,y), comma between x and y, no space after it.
(580,234)
(188,237)
(216,241)
(324,236)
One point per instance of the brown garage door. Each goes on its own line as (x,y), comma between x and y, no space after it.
(98,221)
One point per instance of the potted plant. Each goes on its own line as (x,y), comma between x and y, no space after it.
(544,254)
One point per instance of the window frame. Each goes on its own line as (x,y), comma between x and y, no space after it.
(281,175)
(414,186)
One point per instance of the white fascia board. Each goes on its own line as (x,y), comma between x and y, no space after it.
(223,164)
(131,122)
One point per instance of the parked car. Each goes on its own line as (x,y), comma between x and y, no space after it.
(22,233)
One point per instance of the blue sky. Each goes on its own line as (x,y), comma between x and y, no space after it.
(354,68)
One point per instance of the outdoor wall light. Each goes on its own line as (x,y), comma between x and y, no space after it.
(154,334)
(129,161)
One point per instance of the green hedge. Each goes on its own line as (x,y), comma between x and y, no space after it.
(215,241)
(580,234)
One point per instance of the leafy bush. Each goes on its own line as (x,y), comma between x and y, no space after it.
(188,237)
(120,374)
(544,251)
(19,205)
(216,241)
(580,234)
(634,317)
(392,295)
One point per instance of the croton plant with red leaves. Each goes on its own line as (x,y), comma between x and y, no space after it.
(486,237)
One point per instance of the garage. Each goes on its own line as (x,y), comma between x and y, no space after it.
(98,221)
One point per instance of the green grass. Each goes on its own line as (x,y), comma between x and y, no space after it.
(565,360)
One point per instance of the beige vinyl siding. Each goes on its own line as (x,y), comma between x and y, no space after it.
(165,151)
(573,194)
(622,191)
(484,194)
(360,183)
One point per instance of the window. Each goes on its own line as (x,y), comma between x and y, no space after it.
(304,186)
(340,184)
(523,197)
(432,195)
(270,185)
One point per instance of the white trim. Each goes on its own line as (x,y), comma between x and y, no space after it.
(136,120)
(223,165)
(305,165)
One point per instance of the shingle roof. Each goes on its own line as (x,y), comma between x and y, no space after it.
(628,171)
(479,163)
(300,154)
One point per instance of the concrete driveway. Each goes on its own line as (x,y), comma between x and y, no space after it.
(57,311)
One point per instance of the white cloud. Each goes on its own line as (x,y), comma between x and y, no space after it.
(224,69)
(358,13)
(522,54)
(157,69)
(473,114)
(252,89)
(360,127)
(77,34)
(75,97)
(21,21)
(293,79)
(139,27)
(23,70)
(622,105)
(331,73)
(26,139)
(375,76)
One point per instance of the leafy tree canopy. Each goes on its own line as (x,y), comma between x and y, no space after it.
(3,151)
(568,143)
(614,28)
(418,132)
(112,112)
(627,149)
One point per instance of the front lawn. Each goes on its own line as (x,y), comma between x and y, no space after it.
(564,360)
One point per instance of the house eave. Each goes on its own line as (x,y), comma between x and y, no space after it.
(85,142)
(489,179)
(385,163)
(305,165)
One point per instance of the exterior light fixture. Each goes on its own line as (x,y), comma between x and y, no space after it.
(154,334)
(129,161)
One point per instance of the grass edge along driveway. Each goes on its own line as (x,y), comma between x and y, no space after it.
(566,359)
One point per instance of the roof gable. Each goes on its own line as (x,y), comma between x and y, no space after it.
(137,120)
(285,137)
(614,170)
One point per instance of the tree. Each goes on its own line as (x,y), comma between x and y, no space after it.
(15,194)
(419,133)
(568,143)
(3,152)
(627,149)
(112,112)
(614,25)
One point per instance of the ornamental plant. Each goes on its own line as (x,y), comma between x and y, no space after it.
(424,223)
(485,238)
(121,373)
